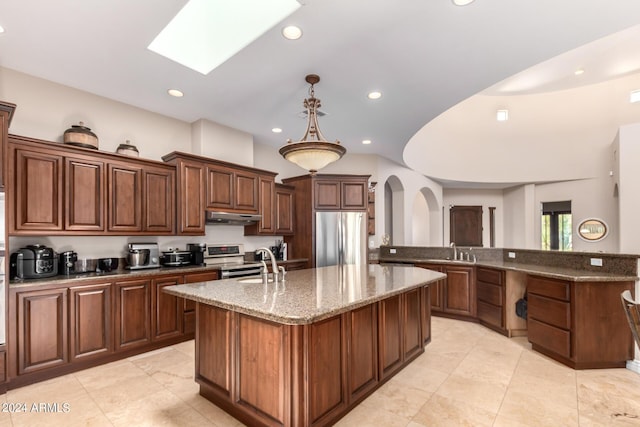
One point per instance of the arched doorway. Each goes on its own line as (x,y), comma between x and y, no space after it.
(426,219)
(394,210)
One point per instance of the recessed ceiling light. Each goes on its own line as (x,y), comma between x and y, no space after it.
(276,130)
(205,33)
(366,141)
(502,115)
(579,71)
(1,29)
(374,95)
(292,32)
(175,92)
(462,2)
(634,96)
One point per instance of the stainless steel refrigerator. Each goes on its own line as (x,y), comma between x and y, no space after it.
(341,238)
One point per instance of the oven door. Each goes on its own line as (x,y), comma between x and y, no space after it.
(243,270)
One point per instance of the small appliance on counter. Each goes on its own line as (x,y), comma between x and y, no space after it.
(67,263)
(143,255)
(175,258)
(197,252)
(230,260)
(33,262)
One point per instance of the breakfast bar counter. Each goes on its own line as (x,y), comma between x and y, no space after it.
(307,350)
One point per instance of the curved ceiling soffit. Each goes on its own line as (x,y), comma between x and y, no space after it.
(560,123)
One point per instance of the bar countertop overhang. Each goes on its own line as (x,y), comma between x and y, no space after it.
(308,296)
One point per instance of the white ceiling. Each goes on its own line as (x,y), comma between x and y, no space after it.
(425,56)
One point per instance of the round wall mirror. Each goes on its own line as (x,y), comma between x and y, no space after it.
(593,229)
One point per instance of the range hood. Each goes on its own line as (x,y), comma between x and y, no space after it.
(228,218)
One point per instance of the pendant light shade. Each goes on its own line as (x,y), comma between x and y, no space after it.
(312,152)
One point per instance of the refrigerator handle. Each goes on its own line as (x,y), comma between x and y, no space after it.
(340,240)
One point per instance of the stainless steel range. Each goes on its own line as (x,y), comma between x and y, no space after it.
(230,259)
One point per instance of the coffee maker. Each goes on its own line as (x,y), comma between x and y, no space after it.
(197,252)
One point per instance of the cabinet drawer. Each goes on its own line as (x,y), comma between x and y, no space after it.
(490,276)
(548,287)
(548,310)
(490,313)
(551,338)
(490,293)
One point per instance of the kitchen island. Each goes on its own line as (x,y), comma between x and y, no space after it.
(306,351)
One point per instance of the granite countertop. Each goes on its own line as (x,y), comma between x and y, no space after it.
(562,273)
(310,295)
(123,274)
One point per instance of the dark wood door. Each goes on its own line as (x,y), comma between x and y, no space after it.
(90,329)
(363,351)
(125,197)
(158,200)
(167,309)
(267,224)
(132,313)
(284,210)
(42,329)
(85,194)
(460,291)
(191,198)
(465,225)
(37,200)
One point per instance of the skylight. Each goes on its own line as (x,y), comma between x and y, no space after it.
(205,33)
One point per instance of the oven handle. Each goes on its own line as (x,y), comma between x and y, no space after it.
(230,274)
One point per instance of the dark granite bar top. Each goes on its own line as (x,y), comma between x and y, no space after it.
(307,296)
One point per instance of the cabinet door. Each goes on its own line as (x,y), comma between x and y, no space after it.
(284,210)
(132,313)
(426,314)
(220,190)
(267,224)
(6,110)
(246,192)
(42,329)
(167,309)
(465,225)
(326,194)
(85,191)
(363,351)
(390,335)
(125,198)
(90,331)
(189,306)
(191,198)
(436,289)
(37,198)
(158,200)
(412,325)
(460,291)
(353,195)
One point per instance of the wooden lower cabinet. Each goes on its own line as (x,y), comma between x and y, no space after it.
(579,324)
(167,310)
(42,329)
(491,294)
(271,374)
(90,331)
(189,306)
(456,294)
(132,313)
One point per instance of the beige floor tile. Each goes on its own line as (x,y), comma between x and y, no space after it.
(420,377)
(443,411)
(81,411)
(363,416)
(187,347)
(535,408)
(106,375)
(443,362)
(609,397)
(212,413)
(114,396)
(63,389)
(397,398)
(475,392)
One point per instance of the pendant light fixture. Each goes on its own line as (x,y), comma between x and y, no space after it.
(312,152)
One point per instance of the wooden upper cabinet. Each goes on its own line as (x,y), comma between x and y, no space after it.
(85,190)
(159,200)
(6,114)
(465,225)
(266,208)
(231,189)
(341,193)
(284,209)
(191,204)
(36,202)
(327,194)
(124,197)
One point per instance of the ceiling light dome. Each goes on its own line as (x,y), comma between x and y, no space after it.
(312,152)
(462,2)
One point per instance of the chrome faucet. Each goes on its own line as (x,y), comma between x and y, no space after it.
(455,250)
(274,264)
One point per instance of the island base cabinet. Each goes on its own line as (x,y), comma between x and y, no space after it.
(270,374)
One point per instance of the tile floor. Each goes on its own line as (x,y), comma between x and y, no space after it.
(468,376)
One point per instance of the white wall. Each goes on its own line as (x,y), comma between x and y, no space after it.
(420,221)
(519,217)
(220,142)
(628,178)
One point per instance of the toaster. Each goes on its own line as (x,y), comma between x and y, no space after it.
(33,262)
